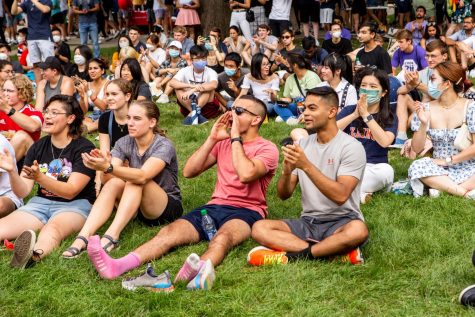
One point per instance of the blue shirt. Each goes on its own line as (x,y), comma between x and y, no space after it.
(38,22)
(375,153)
(90,17)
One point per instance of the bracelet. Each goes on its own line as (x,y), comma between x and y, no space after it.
(420,81)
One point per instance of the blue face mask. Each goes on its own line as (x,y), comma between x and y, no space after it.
(372,95)
(200,65)
(433,91)
(229,71)
(208,46)
(174,53)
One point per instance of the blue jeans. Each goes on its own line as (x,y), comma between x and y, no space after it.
(86,29)
(286,112)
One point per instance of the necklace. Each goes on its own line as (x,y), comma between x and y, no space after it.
(121,127)
(52,151)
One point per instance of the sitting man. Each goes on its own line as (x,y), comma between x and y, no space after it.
(264,42)
(246,163)
(329,166)
(230,81)
(409,57)
(194,88)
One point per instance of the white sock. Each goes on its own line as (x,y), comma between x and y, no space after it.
(402,135)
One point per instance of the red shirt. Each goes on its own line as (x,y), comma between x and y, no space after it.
(7,123)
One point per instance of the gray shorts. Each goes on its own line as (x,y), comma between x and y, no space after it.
(39,50)
(315,230)
(45,209)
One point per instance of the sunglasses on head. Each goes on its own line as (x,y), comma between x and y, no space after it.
(240,110)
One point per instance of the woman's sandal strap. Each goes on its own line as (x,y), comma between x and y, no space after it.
(112,242)
(74,252)
(83,239)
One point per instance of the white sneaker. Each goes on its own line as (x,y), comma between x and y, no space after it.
(292,121)
(365,197)
(471,74)
(434,193)
(470,194)
(156,92)
(163,99)
(279,119)
(204,279)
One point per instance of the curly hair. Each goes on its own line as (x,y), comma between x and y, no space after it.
(24,87)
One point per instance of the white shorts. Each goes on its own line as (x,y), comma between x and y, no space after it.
(39,50)
(326,16)
(17,201)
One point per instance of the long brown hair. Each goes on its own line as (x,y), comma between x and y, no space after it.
(152,112)
(454,73)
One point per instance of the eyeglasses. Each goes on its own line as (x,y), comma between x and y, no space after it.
(52,114)
(286,37)
(8,72)
(10,91)
(240,110)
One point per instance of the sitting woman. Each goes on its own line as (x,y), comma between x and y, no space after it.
(124,41)
(372,122)
(337,73)
(65,186)
(20,122)
(215,58)
(264,84)
(130,70)
(450,170)
(238,44)
(8,200)
(147,187)
(153,57)
(165,73)
(295,89)
(92,93)
(82,54)
(431,33)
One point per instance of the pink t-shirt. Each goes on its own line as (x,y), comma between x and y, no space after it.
(229,190)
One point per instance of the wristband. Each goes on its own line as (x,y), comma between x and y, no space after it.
(11,112)
(238,139)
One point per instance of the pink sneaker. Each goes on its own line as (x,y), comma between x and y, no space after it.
(190,268)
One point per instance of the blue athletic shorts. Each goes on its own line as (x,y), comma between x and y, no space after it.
(221,214)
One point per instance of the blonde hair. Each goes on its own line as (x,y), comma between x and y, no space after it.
(129,52)
(23,86)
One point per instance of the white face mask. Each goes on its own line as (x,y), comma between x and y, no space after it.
(336,34)
(3,56)
(150,47)
(79,60)
(20,39)
(56,38)
(123,44)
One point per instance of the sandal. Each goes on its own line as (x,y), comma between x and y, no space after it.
(111,245)
(75,252)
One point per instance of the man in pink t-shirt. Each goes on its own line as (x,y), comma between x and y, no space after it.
(246,163)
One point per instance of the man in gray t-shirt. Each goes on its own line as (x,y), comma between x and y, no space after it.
(329,166)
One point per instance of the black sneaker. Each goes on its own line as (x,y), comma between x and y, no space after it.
(23,250)
(467,296)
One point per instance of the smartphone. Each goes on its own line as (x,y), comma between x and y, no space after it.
(287,141)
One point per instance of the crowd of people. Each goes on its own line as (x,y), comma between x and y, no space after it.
(349,105)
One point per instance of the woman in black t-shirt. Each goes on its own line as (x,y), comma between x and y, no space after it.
(148,186)
(65,186)
(130,70)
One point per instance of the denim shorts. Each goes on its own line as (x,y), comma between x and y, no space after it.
(221,214)
(94,116)
(45,209)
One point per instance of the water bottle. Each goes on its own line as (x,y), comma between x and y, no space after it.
(207,224)
(357,62)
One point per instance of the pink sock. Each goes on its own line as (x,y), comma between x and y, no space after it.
(106,266)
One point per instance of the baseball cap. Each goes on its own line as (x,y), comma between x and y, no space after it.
(177,44)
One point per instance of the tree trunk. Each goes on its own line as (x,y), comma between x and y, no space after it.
(215,13)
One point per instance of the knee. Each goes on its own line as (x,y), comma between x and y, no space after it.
(21,137)
(299,133)
(356,233)
(113,184)
(223,239)
(52,232)
(259,230)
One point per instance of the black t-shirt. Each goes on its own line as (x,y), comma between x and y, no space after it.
(117,132)
(255,3)
(65,162)
(65,51)
(342,48)
(284,53)
(74,71)
(378,57)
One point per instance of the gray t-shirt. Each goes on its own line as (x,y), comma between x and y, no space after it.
(223,79)
(342,156)
(162,148)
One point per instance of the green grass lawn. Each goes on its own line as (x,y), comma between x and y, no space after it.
(417,261)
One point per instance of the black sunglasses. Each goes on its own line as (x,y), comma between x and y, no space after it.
(240,110)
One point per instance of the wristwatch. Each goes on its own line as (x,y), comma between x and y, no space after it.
(368,118)
(109,169)
(11,112)
(448,160)
(238,139)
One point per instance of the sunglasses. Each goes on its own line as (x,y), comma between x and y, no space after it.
(286,37)
(240,110)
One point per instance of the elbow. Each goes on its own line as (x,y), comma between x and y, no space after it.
(188,173)
(341,199)
(247,177)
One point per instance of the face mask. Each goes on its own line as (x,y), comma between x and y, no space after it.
(57,38)
(372,95)
(174,53)
(79,60)
(200,65)
(20,39)
(150,47)
(3,56)
(433,91)
(336,34)
(208,46)
(123,44)
(229,71)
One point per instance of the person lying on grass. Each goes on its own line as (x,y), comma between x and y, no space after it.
(65,186)
(329,166)
(148,186)
(246,163)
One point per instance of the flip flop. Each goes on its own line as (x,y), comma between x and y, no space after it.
(75,252)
